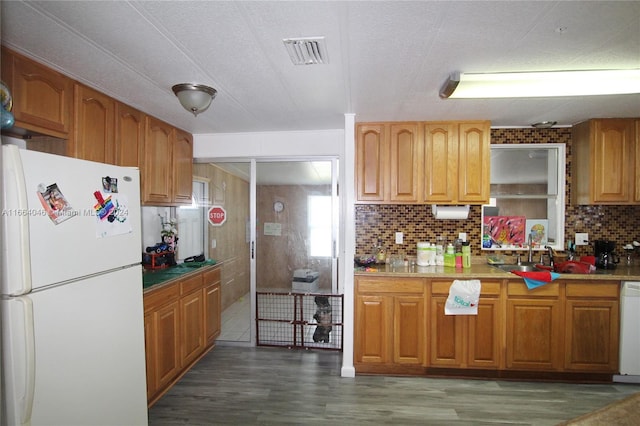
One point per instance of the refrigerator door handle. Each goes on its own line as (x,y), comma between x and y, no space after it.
(19,339)
(16,223)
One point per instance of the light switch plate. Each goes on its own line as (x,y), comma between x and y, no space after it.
(399,237)
(462,236)
(582,238)
(213,243)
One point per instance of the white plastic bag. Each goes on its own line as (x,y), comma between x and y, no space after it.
(463,298)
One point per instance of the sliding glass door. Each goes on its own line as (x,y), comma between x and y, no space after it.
(283,238)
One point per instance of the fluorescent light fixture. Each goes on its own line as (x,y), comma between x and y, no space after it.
(542,84)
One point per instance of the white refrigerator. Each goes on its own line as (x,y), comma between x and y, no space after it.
(71,297)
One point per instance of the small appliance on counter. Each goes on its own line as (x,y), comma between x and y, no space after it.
(605,254)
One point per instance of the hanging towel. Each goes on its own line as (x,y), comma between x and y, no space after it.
(463,298)
(536,279)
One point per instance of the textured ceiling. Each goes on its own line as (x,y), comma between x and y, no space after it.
(387,59)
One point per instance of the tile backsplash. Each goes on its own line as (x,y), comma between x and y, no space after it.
(380,222)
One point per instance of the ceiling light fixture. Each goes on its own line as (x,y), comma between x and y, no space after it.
(542,84)
(544,124)
(194,98)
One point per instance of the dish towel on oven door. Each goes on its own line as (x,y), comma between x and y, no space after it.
(463,298)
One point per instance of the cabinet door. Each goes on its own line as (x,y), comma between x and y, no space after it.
(150,344)
(182,185)
(371,154)
(158,149)
(129,136)
(484,331)
(592,335)
(42,98)
(372,334)
(212,312)
(613,143)
(533,332)
(408,330)
(94,130)
(474,160)
(167,362)
(446,335)
(192,327)
(404,162)
(440,154)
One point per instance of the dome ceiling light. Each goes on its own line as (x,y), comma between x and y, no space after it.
(195,98)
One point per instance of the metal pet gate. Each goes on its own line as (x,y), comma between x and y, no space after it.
(299,320)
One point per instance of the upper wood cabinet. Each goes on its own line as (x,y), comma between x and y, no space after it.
(457,161)
(94,126)
(182,168)
(423,162)
(604,163)
(168,171)
(371,155)
(158,148)
(129,136)
(42,97)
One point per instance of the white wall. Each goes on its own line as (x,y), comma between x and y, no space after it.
(269,144)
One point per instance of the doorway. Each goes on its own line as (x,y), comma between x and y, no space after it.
(290,228)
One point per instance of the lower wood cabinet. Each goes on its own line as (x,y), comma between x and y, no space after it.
(567,327)
(467,341)
(182,320)
(534,327)
(592,321)
(390,321)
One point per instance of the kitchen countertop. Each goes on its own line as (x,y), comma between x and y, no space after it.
(151,278)
(621,273)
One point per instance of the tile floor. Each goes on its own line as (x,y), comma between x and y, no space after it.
(236,320)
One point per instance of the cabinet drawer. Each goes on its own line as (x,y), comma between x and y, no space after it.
(487,288)
(520,289)
(159,297)
(190,284)
(600,289)
(389,285)
(212,276)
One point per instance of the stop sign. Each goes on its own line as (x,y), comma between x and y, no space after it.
(217,215)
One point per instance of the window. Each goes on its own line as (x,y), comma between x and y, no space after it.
(319,223)
(527,197)
(192,229)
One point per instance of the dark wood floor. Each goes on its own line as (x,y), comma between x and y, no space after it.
(273,386)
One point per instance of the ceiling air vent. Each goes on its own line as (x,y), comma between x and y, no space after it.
(307,50)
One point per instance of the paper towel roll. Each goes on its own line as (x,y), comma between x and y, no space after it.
(450,212)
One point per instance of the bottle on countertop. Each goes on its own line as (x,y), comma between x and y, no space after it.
(439,255)
(466,255)
(449,256)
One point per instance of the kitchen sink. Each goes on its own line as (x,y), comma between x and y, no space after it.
(525,267)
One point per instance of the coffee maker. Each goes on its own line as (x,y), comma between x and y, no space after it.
(605,254)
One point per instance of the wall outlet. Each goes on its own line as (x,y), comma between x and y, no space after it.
(213,243)
(582,238)
(399,237)
(462,236)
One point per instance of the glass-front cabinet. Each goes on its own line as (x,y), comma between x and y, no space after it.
(527,202)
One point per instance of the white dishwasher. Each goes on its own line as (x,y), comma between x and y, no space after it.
(629,333)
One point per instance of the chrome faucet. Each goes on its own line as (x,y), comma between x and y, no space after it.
(530,259)
(550,255)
